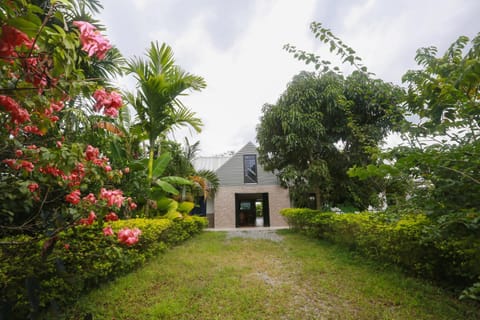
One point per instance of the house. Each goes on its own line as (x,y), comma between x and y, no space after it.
(248,196)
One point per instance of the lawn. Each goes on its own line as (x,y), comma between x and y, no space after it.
(217,276)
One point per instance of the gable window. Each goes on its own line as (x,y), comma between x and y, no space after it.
(250,168)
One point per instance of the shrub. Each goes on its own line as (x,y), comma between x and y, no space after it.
(33,280)
(409,242)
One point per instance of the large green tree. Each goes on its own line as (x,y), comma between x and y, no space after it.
(322,125)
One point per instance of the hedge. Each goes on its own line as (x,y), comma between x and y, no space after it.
(411,242)
(33,280)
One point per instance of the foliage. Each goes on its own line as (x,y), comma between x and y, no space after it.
(160,84)
(336,45)
(321,126)
(82,259)
(49,180)
(204,182)
(407,241)
(443,146)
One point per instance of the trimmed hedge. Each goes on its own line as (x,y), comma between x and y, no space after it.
(33,280)
(409,242)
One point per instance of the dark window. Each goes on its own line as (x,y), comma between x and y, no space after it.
(250,168)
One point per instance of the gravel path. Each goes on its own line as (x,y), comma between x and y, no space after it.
(255,234)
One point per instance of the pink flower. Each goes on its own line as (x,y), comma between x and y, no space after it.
(88,221)
(108,168)
(129,236)
(93,43)
(113,197)
(110,102)
(33,186)
(108,231)
(112,216)
(59,144)
(126,170)
(73,197)
(66,246)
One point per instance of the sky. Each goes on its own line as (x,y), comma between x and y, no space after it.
(237,47)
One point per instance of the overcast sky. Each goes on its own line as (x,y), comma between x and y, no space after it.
(236,45)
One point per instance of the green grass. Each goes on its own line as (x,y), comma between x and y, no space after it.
(213,277)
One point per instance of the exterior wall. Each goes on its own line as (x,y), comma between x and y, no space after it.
(231,172)
(224,208)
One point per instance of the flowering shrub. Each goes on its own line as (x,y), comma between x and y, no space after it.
(49,183)
(73,265)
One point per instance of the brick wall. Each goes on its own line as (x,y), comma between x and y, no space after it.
(224,207)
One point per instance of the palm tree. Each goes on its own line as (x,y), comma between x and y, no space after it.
(160,83)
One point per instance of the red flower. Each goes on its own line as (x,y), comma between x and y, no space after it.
(33,186)
(17,113)
(88,221)
(91,153)
(90,198)
(12,163)
(66,246)
(27,165)
(73,197)
(108,231)
(112,216)
(34,130)
(19,153)
(12,38)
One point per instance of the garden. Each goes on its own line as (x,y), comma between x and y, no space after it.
(82,199)
(92,190)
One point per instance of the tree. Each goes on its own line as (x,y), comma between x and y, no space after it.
(443,145)
(322,125)
(160,84)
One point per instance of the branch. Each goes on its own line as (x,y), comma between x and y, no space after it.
(462,173)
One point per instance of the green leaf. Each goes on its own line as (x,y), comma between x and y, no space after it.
(177,181)
(160,164)
(167,187)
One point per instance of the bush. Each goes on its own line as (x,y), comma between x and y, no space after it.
(33,280)
(408,241)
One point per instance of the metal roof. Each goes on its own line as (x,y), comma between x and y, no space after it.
(209,163)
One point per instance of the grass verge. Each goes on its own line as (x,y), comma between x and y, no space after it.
(216,277)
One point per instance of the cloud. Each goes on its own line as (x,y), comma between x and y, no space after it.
(237,46)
